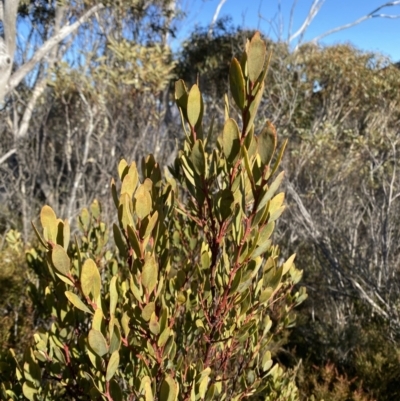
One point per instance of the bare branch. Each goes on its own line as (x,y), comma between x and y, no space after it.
(8,16)
(7,155)
(294,4)
(372,14)
(215,17)
(41,84)
(314,9)
(20,74)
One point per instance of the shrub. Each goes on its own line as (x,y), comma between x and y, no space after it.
(192,304)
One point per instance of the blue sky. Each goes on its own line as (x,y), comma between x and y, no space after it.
(376,34)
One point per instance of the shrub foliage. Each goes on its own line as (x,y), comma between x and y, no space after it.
(192,300)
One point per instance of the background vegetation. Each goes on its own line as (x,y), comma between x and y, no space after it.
(106,93)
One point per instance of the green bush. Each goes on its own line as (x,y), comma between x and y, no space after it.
(193,300)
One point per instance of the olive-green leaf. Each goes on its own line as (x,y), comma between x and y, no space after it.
(253,107)
(148,225)
(134,241)
(143,202)
(154,326)
(276,202)
(115,391)
(115,342)
(113,295)
(267,143)
(66,234)
(60,260)
(97,342)
(84,219)
(97,319)
(150,273)
(198,157)
(266,294)
(271,191)
(128,185)
(194,105)
(164,337)
(267,361)
(181,94)
(49,222)
(146,386)
(122,169)
(288,264)
(231,141)
(148,310)
(256,57)
(112,365)
(77,302)
(119,241)
(29,391)
(90,279)
(237,83)
(169,389)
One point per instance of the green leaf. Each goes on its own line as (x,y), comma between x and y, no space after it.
(148,310)
(194,105)
(164,337)
(169,389)
(90,279)
(115,342)
(77,302)
(231,140)
(84,219)
(122,169)
(253,107)
(119,241)
(146,386)
(225,202)
(198,157)
(113,295)
(148,225)
(65,279)
(266,294)
(60,260)
(143,202)
(279,157)
(237,83)
(112,365)
(256,57)
(97,342)
(115,391)
(271,190)
(154,326)
(181,95)
(134,241)
(66,234)
(29,391)
(95,209)
(32,371)
(267,361)
(125,324)
(265,233)
(49,222)
(288,264)
(97,319)
(40,238)
(277,213)
(114,192)
(276,202)
(128,185)
(267,143)
(150,273)
(125,210)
